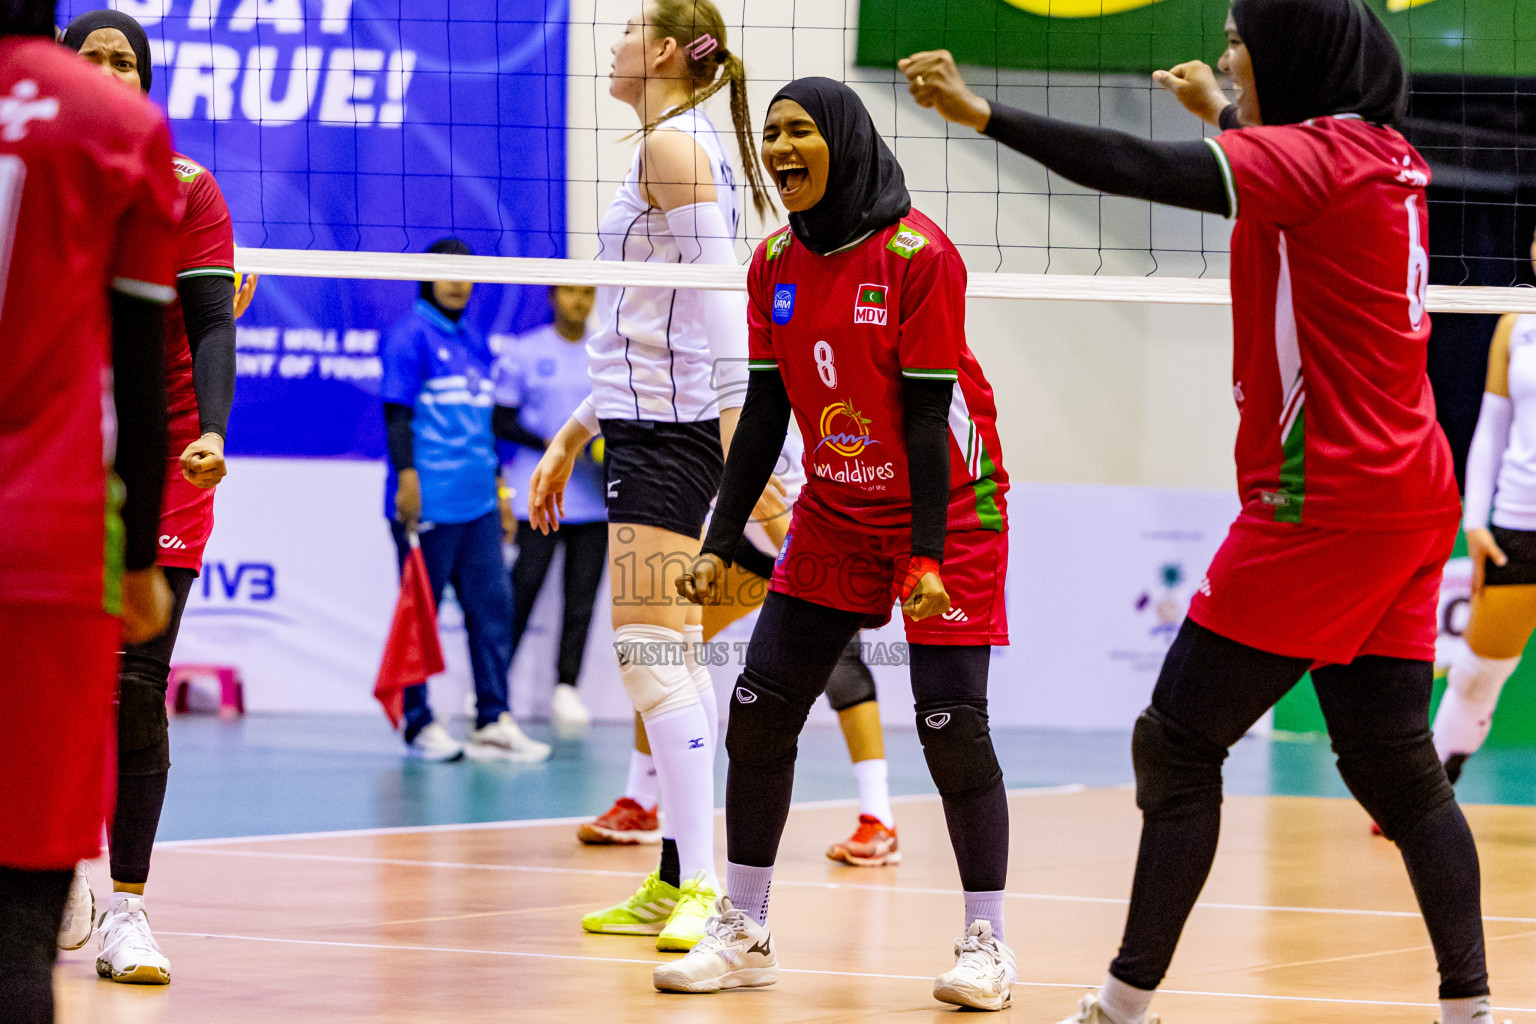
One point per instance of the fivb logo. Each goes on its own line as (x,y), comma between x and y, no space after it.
(869,307)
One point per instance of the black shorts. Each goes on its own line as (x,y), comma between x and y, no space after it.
(664,475)
(1520,546)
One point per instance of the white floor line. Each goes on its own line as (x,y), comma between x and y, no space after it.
(793,970)
(903,890)
(518,823)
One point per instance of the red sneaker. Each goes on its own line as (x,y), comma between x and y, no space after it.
(871,846)
(626,823)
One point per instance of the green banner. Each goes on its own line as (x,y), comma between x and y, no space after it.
(1475,37)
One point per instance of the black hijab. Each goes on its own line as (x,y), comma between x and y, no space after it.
(451,247)
(27,17)
(865,187)
(1312,58)
(81,28)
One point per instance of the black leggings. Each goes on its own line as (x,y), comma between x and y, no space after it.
(31,910)
(586,553)
(1210,693)
(795,646)
(143,741)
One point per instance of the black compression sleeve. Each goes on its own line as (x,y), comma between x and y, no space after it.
(754,453)
(507,427)
(397,429)
(138,390)
(208,307)
(1176,173)
(926,405)
(1228,118)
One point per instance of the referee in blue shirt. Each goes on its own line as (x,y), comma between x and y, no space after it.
(442,488)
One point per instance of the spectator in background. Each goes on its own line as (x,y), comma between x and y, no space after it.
(442,487)
(541,377)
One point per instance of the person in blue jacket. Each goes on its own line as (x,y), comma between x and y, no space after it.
(443,489)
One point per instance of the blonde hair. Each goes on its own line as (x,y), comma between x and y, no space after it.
(699,30)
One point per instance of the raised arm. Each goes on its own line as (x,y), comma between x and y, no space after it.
(1183,174)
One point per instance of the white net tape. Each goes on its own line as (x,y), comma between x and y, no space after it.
(1187,291)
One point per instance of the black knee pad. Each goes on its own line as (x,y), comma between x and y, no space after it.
(143,741)
(765,721)
(957,744)
(1399,786)
(851,682)
(1176,769)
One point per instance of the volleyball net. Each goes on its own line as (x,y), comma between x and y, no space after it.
(347,135)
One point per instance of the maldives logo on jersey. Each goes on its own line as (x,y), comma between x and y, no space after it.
(843,430)
(869,307)
(783,303)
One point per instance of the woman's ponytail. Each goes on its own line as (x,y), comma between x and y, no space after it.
(734,71)
(700,31)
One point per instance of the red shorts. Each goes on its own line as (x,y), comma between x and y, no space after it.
(58,764)
(186,520)
(833,562)
(1327,594)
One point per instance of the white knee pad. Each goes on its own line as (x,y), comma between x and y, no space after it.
(1472,692)
(654,669)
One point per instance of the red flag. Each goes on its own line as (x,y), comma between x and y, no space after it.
(412,651)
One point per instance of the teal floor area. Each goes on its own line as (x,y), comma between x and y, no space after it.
(269,774)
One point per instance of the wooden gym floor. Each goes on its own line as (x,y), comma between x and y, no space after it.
(1306,918)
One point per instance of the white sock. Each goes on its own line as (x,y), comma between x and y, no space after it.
(747,889)
(874,791)
(702,681)
(1471,693)
(685,767)
(641,785)
(1122,1003)
(1475,1010)
(985,906)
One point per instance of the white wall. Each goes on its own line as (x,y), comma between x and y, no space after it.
(1094,393)
(299,585)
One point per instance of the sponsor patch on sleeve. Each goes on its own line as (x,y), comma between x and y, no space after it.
(778,244)
(906,242)
(186,170)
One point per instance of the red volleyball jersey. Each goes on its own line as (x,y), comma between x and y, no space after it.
(87,203)
(1329,273)
(843,330)
(205,246)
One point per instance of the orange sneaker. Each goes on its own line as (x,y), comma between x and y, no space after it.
(871,846)
(626,823)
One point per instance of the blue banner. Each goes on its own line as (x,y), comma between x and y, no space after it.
(378,125)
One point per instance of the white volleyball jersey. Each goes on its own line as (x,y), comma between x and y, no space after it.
(649,358)
(1514,502)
